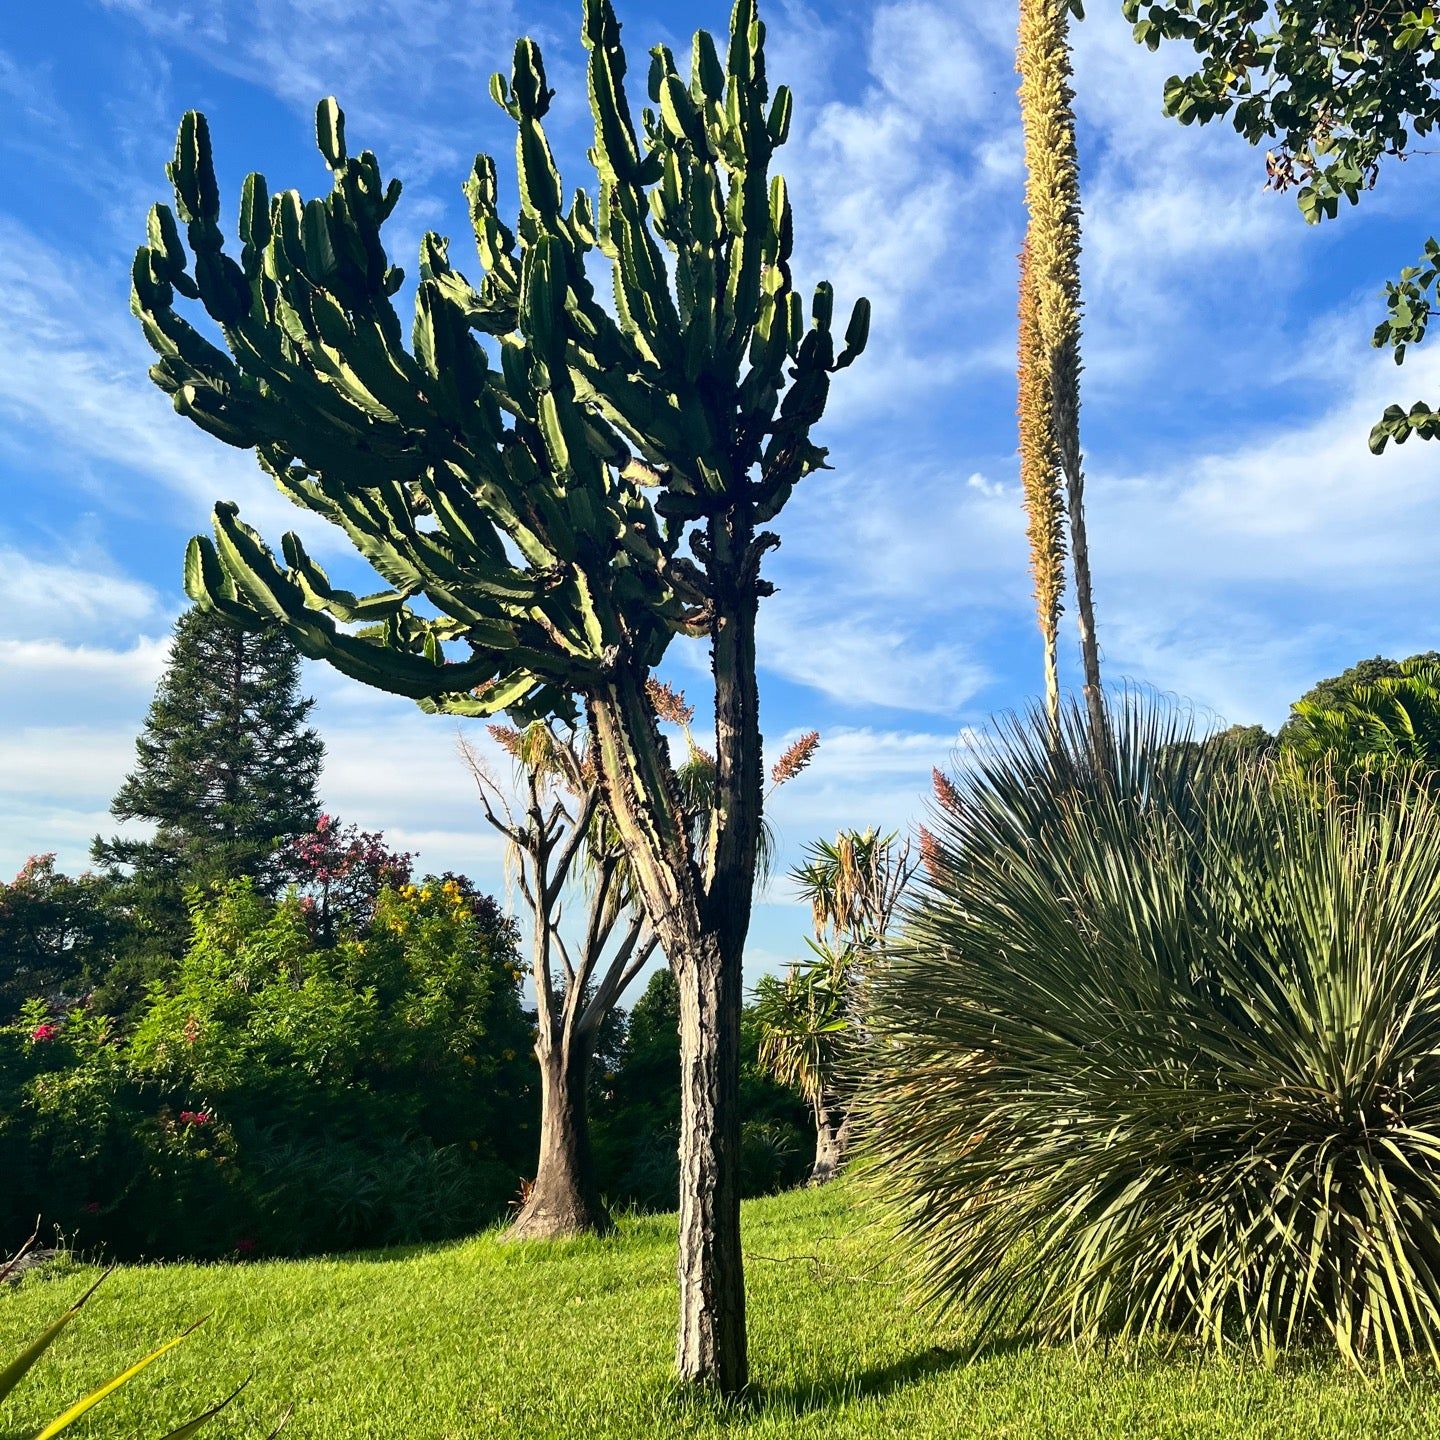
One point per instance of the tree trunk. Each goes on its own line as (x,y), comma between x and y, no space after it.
(832,1140)
(564,1199)
(711,1345)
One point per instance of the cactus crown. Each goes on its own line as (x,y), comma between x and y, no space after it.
(522,476)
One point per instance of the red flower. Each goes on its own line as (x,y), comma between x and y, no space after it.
(195,1117)
(41,1033)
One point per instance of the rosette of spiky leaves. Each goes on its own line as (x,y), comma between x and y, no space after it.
(804,1022)
(1159,1051)
(494,472)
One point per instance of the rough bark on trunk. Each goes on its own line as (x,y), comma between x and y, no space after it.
(832,1140)
(564,1199)
(710,1347)
(701,923)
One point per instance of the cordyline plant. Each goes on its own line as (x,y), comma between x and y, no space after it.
(1052,470)
(809,1021)
(562,844)
(528,474)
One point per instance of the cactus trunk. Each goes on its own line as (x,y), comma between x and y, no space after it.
(710,1348)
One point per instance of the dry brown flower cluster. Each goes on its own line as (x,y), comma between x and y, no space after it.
(507,738)
(798,755)
(946,794)
(930,853)
(669,703)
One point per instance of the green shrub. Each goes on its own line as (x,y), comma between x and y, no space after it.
(282,1096)
(1161,1048)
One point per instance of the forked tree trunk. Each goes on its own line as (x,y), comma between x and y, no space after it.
(564,1199)
(832,1140)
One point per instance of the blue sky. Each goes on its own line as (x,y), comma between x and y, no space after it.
(1244,541)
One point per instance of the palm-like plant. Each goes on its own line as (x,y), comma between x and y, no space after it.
(1161,1048)
(807,1020)
(1391,721)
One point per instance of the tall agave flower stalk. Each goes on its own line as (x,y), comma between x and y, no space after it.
(1040,484)
(1052,196)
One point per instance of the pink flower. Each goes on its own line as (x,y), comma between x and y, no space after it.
(41,1033)
(195,1117)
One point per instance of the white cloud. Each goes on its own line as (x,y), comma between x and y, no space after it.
(931,59)
(79,595)
(74,385)
(393,64)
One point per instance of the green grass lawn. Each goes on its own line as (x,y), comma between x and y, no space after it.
(489,1340)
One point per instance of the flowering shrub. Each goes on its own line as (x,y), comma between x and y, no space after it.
(343,870)
(283,1093)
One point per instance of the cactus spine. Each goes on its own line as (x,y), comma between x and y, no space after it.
(1052,195)
(526,476)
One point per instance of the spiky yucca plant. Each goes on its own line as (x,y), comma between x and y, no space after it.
(1161,1051)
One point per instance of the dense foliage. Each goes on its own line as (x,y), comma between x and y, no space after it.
(288,1089)
(57,932)
(1388,722)
(280,1095)
(1161,1051)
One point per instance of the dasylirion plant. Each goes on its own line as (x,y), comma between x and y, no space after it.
(550,488)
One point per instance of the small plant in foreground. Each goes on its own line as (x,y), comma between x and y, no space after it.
(1161,1049)
(17,1369)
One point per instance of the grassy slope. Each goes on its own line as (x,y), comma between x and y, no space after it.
(487,1340)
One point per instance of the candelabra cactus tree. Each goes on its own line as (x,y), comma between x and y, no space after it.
(528,475)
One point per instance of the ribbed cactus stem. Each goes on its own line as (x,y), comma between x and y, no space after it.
(527,476)
(1040,483)
(1052,194)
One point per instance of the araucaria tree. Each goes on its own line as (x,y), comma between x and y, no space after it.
(538,508)
(226,768)
(1050,311)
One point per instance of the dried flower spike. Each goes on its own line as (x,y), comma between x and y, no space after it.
(796,758)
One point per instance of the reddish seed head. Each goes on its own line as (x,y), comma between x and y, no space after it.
(796,758)
(669,703)
(945,791)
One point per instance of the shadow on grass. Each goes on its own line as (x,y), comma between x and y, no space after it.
(881,1380)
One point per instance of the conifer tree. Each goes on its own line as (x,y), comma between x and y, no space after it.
(226,768)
